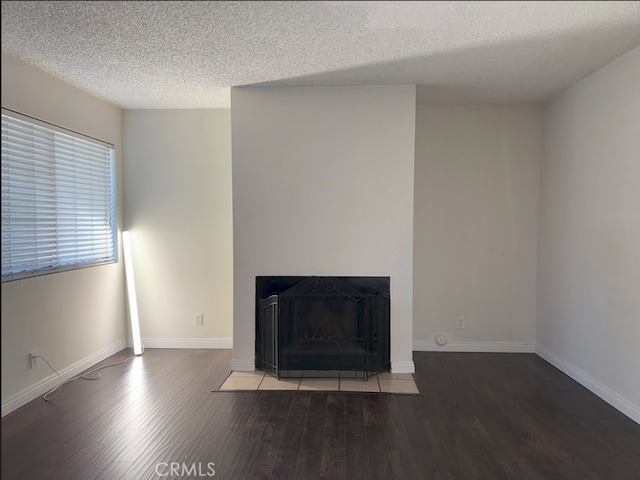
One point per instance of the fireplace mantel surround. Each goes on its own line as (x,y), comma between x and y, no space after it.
(323,185)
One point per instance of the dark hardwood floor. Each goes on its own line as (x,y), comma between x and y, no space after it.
(481,416)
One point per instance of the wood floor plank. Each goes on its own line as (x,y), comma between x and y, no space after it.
(289,448)
(376,439)
(114,471)
(332,462)
(310,454)
(271,438)
(356,464)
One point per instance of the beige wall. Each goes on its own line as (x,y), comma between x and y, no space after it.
(475,232)
(177,188)
(69,316)
(323,185)
(589,257)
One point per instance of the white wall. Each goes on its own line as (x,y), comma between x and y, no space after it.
(589,247)
(73,316)
(323,185)
(475,232)
(177,188)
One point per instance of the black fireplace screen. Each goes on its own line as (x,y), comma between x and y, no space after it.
(322,324)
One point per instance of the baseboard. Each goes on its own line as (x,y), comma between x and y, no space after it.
(612,398)
(43,386)
(403,367)
(188,343)
(484,347)
(243,365)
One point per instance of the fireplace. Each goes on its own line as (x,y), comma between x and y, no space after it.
(322,324)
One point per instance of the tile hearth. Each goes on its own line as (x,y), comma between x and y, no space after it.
(342,382)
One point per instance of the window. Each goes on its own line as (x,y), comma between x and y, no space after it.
(58,199)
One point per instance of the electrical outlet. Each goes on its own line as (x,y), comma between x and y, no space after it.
(462,322)
(33,359)
(198,319)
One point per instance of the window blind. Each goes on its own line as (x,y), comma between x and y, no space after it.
(58,199)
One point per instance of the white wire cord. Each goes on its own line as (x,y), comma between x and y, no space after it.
(87,376)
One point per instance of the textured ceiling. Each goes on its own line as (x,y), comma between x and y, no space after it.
(188,54)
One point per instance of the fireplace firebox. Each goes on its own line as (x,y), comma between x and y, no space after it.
(322,324)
